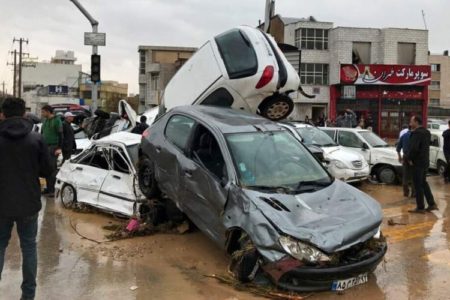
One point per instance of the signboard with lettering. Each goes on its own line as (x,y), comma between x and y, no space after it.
(385,75)
(94,39)
(58,89)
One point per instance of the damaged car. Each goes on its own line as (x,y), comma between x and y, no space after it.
(252,187)
(104,176)
(242,68)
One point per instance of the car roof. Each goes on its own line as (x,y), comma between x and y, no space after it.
(228,120)
(129,139)
(345,129)
(300,124)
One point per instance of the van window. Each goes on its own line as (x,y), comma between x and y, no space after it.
(237,53)
(178,130)
(349,139)
(220,97)
(434,141)
(329,132)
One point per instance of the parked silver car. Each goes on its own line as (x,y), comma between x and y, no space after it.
(255,189)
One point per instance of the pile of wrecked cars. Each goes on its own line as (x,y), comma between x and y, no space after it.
(247,182)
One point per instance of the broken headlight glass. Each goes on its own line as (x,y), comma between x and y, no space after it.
(302,251)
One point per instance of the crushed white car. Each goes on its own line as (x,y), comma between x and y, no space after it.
(104,176)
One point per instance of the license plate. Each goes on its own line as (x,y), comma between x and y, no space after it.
(340,285)
(360,174)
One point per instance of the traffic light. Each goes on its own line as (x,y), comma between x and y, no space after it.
(95,68)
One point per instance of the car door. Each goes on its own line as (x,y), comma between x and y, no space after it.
(168,155)
(204,178)
(351,141)
(118,190)
(434,150)
(89,173)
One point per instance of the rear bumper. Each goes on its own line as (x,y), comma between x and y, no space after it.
(308,279)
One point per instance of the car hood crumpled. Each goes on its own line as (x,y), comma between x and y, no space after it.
(332,219)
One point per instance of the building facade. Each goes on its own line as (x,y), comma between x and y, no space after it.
(366,69)
(109,94)
(157,65)
(440,80)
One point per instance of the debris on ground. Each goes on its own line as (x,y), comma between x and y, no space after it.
(391,222)
(133,288)
(258,290)
(120,231)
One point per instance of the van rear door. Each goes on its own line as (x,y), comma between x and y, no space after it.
(202,71)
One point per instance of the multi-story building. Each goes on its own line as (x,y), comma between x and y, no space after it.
(109,94)
(157,65)
(382,74)
(440,80)
(51,82)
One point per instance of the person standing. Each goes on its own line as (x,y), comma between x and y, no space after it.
(347,119)
(419,158)
(52,131)
(407,180)
(69,144)
(24,158)
(446,136)
(141,127)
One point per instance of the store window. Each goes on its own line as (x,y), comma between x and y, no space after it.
(314,74)
(435,102)
(435,85)
(142,62)
(311,39)
(361,53)
(406,53)
(435,67)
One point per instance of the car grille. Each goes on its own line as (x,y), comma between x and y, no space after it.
(357,164)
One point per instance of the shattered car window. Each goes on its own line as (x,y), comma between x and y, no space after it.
(316,137)
(96,157)
(273,159)
(178,130)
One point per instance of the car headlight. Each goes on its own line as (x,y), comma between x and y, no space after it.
(377,235)
(339,164)
(302,251)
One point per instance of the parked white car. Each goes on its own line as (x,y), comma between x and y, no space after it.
(437,157)
(343,164)
(104,176)
(242,68)
(437,124)
(382,158)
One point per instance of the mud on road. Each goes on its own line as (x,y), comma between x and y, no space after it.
(172,266)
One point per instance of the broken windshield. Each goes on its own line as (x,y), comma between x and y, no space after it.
(316,137)
(373,139)
(273,160)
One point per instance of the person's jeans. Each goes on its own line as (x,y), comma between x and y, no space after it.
(27,230)
(408,186)
(51,180)
(422,187)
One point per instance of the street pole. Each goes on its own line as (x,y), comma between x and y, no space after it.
(15,73)
(21,40)
(94,24)
(3,89)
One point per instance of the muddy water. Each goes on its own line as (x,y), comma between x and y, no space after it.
(170,266)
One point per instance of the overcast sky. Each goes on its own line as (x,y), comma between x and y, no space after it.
(57,24)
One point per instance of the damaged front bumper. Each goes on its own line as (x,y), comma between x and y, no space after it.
(291,274)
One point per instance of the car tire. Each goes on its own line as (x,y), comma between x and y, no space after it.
(146,177)
(153,212)
(68,196)
(386,175)
(276,107)
(244,261)
(441,167)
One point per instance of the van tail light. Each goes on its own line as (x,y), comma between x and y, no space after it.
(146,133)
(266,77)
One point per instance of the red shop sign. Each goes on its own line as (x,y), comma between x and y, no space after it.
(385,74)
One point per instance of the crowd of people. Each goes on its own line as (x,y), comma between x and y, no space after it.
(346,119)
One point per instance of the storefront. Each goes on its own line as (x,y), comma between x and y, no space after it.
(384,96)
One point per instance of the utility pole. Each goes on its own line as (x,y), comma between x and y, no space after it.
(14,53)
(3,89)
(94,24)
(21,41)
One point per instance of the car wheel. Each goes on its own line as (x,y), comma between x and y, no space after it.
(146,177)
(68,196)
(153,212)
(276,107)
(386,175)
(244,261)
(441,167)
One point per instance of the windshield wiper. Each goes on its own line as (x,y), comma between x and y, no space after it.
(268,188)
(306,186)
(330,145)
(381,146)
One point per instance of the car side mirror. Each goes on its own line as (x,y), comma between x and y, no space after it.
(365,147)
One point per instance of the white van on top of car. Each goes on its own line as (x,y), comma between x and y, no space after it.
(382,158)
(242,68)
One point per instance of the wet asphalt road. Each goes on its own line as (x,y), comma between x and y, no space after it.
(172,266)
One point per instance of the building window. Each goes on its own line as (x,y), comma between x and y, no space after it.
(155,82)
(311,39)
(435,85)
(435,102)
(406,53)
(314,74)
(361,53)
(142,62)
(435,67)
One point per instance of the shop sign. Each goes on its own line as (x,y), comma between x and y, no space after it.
(385,74)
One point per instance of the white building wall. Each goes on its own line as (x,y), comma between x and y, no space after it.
(51,74)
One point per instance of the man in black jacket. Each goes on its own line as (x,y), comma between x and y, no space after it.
(24,158)
(69,145)
(419,157)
